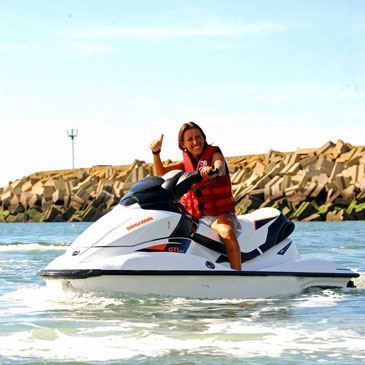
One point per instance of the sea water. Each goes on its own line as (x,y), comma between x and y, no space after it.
(38,326)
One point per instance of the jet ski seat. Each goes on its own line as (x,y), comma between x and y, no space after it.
(278,230)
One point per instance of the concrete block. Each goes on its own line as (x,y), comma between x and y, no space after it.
(335,215)
(311,159)
(88,213)
(27,186)
(11,218)
(305,209)
(51,214)
(243,206)
(251,180)
(37,190)
(25,198)
(355,160)
(239,176)
(58,197)
(267,193)
(5,199)
(301,178)
(332,196)
(275,180)
(309,188)
(349,193)
(294,158)
(324,165)
(286,182)
(59,219)
(276,191)
(291,189)
(49,182)
(351,172)
(110,172)
(342,147)
(17,184)
(320,179)
(263,181)
(342,182)
(101,200)
(325,148)
(293,169)
(111,202)
(274,169)
(313,218)
(68,213)
(48,192)
(287,158)
(337,169)
(76,202)
(345,157)
(360,211)
(83,194)
(318,190)
(361,171)
(236,189)
(142,172)
(46,204)
(60,184)
(35,201)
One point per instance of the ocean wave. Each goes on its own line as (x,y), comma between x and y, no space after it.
(106,329)
(352,247)
(327,298)
(34,246)
(35,298)
(181,301)
(232,339)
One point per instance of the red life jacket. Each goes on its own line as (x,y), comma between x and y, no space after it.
(210,196)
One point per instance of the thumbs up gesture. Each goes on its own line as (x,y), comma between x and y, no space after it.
(156,145)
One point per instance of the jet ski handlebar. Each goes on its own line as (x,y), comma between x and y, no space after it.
(213,172)
(186,181)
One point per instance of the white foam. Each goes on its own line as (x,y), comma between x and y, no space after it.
(120,337)
(360,281)
(327,298)
(189,301)
(32,247)
(234,339)
(40,298)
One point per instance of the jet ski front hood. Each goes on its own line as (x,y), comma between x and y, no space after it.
(121,227)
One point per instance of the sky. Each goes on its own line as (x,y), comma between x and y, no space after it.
(255,75)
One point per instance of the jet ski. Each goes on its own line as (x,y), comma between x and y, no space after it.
(149,244)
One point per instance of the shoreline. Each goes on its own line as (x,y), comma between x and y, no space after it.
(316,184)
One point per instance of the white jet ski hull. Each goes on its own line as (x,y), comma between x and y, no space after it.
(194,277)
(222,286)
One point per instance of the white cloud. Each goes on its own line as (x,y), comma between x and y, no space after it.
(91,48)
(18,46)
(245,30)
(287,93)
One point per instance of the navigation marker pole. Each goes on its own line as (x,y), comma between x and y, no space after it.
(73,134)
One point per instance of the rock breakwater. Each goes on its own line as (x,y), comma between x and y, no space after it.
(325,183)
